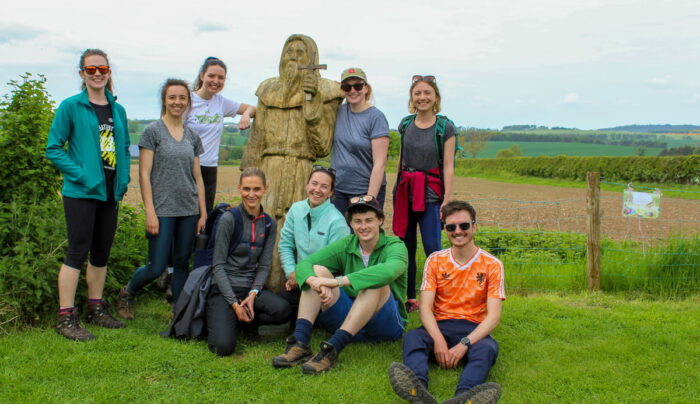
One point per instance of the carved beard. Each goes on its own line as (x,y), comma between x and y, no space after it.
(291,79)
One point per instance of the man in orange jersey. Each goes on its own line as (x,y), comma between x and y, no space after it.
(461,298)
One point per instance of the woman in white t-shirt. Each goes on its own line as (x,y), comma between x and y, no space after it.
(206,119)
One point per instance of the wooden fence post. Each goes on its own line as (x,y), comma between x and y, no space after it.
(593,221)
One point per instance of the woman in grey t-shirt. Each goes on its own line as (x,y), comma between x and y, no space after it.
(173,194)
(360,143)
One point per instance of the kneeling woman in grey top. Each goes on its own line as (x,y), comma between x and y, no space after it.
(240,271)
(173,194)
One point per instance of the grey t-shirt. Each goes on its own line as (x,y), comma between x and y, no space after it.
(248,266)
(419,151)
(352,147)
(172,180)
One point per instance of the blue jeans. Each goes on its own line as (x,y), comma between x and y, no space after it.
(430,232)
(385,325)
(178,232)
(418,348)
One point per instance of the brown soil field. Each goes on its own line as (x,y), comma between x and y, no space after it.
(523,206)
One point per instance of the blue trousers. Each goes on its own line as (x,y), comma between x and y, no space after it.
(418,348)
(342,200)
(430,228)
(178,232)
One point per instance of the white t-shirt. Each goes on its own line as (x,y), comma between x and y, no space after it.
(206,119)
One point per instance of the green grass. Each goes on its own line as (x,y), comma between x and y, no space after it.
(564,349)
(534,149)
(669,190)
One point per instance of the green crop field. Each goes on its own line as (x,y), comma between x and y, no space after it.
(534,149)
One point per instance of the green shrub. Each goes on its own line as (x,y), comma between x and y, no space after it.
(658,170)
(32,248)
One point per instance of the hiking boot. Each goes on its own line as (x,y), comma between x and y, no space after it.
(296,353)
(163,280)
(69,327)
(487,393)
(408,386)
(99,314)
(325,360)
(126,304)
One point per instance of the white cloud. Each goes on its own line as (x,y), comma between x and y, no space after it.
(661,81)
(571,98)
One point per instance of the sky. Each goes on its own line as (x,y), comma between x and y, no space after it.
(575,63)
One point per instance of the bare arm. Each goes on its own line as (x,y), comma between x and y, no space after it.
(380,149)
(246,111)
(145,167)
(197,171)
(427,318)
(448,170)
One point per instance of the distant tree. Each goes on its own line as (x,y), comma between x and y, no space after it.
(641,151)
(25,119)
(474,140)
(512,151)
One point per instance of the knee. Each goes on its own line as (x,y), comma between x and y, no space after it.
(320,270)
(222,347)
(415,338)
(487,348)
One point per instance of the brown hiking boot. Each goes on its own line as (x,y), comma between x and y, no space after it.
(69,327)
(296,353)
(99,314)
(325,360)
(126,304)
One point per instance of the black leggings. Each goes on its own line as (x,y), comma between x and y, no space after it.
(209,179)
(91,225)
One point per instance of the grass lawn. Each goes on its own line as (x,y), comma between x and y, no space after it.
(554,349)
(534,149)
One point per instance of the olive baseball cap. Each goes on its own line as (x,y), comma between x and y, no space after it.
(353,72)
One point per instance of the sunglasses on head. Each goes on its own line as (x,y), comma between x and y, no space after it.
(90,70)
(462,226)
(357,86)
(428,79)
(328,170)
(364,198)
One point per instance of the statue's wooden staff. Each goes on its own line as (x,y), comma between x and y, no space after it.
(311,67)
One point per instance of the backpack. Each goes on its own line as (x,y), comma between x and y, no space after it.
(205,256)
(440,128)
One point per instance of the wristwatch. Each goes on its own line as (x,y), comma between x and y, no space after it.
(465,341)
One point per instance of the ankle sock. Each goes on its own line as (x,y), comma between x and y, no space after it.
(302,330)
(339,339)
(66,310)
(95,301)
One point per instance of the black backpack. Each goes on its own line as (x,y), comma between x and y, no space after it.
(205,256)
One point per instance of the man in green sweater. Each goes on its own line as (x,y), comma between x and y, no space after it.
(355,288)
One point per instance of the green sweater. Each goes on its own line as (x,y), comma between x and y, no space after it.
(387,266)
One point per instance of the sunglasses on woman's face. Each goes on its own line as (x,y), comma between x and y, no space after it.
(90,70)
(428,79)
(356,86)
(462,226)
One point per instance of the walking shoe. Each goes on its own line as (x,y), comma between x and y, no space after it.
(325,360)
(126,304)
(487,393)
(69,327)
(99,314)
(296,353)
(163,280)
(412,305)
(408,386)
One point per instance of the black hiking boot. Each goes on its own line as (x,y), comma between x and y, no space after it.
(126,304)
(487,393)
(99,314)
(408,386)
(69,327)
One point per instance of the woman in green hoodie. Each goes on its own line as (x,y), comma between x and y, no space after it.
(95,168)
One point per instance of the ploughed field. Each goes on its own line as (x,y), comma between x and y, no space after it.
(523,206)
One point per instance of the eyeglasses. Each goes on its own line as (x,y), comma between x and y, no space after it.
(356,86)
(427,79)
(329,170)
(90,70)
(364,198)
(462,226)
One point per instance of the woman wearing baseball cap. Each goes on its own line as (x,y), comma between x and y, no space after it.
(360,142)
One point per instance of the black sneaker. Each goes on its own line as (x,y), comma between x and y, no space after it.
(99,314)
(325,360)
(487,393)
(296,353)
(69,327)
(408,386)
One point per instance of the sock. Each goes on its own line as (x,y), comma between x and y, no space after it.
(339,339)
(302,330)
(170,270)
(95,301)
(66,310)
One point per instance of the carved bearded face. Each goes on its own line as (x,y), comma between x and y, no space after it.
(295,54)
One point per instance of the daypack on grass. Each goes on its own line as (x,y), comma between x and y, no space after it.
(205,256)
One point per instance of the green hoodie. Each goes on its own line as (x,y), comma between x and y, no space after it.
(81,164)
(387,266)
